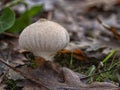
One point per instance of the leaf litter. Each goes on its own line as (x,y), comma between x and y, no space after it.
(91,43)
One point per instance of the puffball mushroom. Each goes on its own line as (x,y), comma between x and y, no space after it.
(44,38)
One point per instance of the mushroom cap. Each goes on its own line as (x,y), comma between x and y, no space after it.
(44,38)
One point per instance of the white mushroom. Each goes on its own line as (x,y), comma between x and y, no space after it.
(44,38)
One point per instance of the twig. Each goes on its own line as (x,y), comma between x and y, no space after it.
(25,75)
(110,28)
(10,35)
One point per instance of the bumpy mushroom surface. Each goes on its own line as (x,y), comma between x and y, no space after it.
(44,38)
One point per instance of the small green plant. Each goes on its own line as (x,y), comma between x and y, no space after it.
(33,64)
(71,61)
(25,19)
(7,19)
(11,84)
(91,72)
(31,57)
(11,23)
(68,60)
(106,68)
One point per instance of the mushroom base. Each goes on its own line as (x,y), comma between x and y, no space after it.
(48,56)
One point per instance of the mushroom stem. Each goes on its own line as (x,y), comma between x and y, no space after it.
(49,56)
